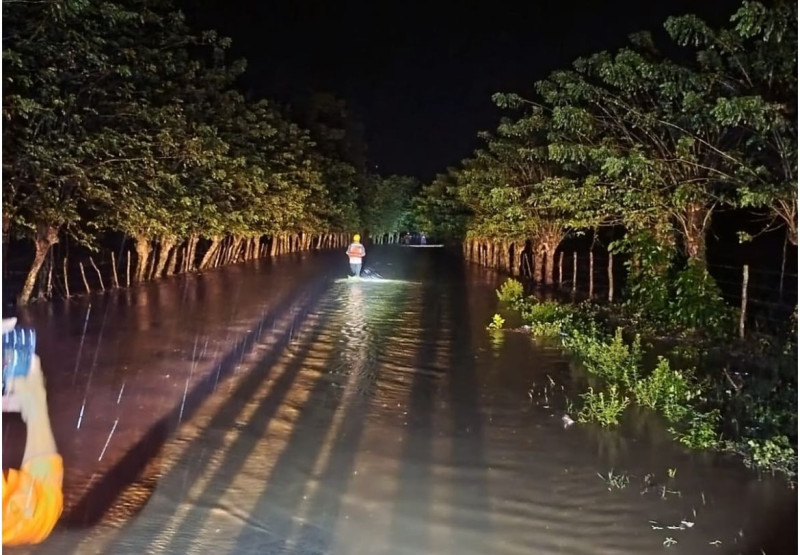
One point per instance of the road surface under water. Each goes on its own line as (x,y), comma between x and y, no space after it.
(276,408)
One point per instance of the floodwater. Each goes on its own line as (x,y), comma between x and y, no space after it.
(274,407)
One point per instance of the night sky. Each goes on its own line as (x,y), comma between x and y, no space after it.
(419,75)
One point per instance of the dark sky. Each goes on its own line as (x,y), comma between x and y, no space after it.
(419,75)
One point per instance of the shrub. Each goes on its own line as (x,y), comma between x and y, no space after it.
(511,292)
(612,360)
(603,407)
(667,391)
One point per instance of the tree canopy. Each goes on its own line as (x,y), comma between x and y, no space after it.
(643,140)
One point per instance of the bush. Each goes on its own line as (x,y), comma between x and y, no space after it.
(668,391)
(700,431)
(774,454)
(696,303)
(547,319)
(615,361)
(604,408)
(511,292)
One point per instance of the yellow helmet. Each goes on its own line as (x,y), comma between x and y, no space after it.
(356,237)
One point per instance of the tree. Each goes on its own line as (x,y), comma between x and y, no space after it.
(438,210)
(753,69)
(388,203)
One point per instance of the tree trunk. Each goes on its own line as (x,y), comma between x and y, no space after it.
(212,250)
(143,248)
(46,237)
(695,222)
(166,246)
(172,266)
(46,277)
(191,253)
(548,245)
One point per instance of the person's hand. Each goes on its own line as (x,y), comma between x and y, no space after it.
(28,395)
(9,402)
(9,324)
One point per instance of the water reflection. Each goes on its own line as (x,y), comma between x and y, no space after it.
(367,417)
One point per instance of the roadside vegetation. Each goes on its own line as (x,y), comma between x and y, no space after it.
(690,384)
(639,150)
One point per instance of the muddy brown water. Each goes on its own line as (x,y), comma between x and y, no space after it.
(276,408)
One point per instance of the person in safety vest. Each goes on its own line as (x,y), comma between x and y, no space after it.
(32,496)
(356,252)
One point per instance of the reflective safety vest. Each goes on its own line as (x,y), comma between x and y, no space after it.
(356,252)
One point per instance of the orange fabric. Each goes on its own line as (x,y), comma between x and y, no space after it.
(32,500)
(356,250)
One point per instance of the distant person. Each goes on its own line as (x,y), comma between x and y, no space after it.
(32,496)
(423,240)
(356,252)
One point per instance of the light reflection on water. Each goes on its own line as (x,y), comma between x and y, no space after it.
(394,423)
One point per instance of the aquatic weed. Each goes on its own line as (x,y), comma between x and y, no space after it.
(604,408)
(497,322)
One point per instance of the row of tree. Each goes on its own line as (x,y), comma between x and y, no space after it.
(640,140)
(120,118)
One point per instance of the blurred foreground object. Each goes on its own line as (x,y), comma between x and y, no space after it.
(32,496)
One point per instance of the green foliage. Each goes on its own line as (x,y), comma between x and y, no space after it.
(497,322)
(765,410)
(438,210)
(774,454)
(640,139)
(662,297)
(511,292)
(696,303)
(615,361)
(140,130)
(388,203)
(648,287)
(699,431)
(668,391)
(604,408)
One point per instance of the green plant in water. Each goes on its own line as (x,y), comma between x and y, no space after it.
(615,361)
(497,322)
(546,319)
(700,430)
(774,454)
(667,391)
(604,408)
(511,292)
(671,472)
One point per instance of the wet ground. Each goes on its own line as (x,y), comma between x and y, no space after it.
(277,408)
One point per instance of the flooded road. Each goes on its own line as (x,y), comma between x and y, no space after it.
(276,408)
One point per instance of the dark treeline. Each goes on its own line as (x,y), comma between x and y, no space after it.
(127,143)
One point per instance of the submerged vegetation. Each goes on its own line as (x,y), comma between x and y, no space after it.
(700,406)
